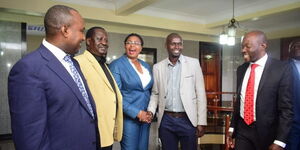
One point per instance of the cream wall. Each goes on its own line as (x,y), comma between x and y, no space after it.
(33,42)
(116,46)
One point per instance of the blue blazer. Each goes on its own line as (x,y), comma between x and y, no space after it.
(296,96)
(293,140)
(47,109)
(135,97)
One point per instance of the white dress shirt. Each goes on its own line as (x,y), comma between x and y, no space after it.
(59,54)
(258,72)
(145,77)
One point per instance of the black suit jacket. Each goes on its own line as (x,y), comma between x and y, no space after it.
(273,102)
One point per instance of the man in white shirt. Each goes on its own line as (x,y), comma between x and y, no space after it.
(263,111)
(50,104)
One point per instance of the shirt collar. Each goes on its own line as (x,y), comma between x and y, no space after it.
(178,61)
(57,52)
(262,61)
(100,59)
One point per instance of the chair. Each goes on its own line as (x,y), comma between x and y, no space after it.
(218,123)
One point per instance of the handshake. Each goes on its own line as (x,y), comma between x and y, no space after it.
(145,116)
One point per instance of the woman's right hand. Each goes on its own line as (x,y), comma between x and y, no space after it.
(145,116)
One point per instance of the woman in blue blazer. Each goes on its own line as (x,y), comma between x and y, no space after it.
(134,78)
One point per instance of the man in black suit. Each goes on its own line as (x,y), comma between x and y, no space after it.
(262,114)
(294,136)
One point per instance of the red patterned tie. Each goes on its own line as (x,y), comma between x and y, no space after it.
(249,98)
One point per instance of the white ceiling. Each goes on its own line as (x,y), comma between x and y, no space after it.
(266,15)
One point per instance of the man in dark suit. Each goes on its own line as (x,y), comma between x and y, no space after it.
(263,111)
(50,104)
(294,136)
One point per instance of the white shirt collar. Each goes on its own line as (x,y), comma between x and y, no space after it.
(57,52)
(262,61)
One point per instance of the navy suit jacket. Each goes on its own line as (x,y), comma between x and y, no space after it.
(294,141)
(135,97)
(296,96)
(47,109)
(273,102)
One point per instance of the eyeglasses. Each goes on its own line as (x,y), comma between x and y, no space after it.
(133,43)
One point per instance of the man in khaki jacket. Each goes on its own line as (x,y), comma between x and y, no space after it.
(179,95)
(103,87)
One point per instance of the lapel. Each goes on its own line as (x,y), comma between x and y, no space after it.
(184,70)
(93,62)
(264,76)
(165,74)
(295,72)
(241,75)
(296,76)
(131,70)
(55,65)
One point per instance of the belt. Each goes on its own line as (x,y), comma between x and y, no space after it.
(175,114)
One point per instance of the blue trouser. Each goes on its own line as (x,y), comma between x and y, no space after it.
(177,129)
(135,135)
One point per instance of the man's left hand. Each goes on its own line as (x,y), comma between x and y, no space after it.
(275,147)
(200,131)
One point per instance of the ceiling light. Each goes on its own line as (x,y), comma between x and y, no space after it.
(8,65)
(229,36)
(223,38)
(231,41)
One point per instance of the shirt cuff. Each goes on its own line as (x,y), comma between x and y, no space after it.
(281,144)
(231,129)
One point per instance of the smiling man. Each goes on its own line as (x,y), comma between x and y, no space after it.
(262,114)
(50,103)
(103,87)
(179,94)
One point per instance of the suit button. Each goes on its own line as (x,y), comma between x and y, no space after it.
(114,118)
(94,143)
(92,121)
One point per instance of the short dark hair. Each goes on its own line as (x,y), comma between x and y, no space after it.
(56,17)
(91,31)
(171,36)
(260,34)
(291,45)
(134,34)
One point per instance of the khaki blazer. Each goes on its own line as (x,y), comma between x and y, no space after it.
(110,115)
(192,90)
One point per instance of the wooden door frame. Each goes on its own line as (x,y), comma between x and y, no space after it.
(220,61)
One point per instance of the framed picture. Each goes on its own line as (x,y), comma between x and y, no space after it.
(148,55)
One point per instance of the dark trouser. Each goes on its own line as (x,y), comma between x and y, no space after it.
(177,129)
(106,148)
(247,137)
(294,138)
